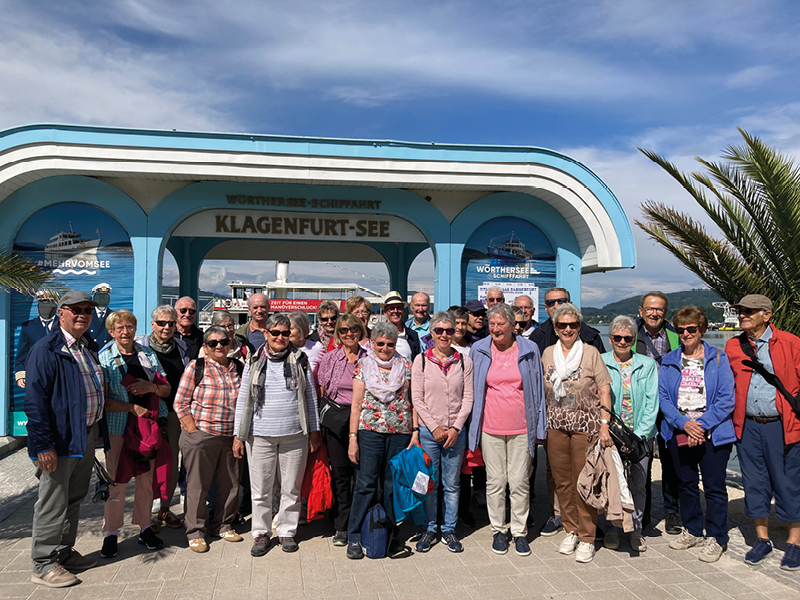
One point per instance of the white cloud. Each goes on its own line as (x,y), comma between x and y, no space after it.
(752,77)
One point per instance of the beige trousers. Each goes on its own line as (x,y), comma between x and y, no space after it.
(508,461)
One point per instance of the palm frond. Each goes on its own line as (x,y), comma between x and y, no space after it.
(20,274)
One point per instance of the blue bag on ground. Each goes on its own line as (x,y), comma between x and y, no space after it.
(375,532)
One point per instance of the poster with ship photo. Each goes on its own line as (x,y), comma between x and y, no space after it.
(82,246)
(512,254)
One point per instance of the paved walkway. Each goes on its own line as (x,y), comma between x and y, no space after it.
(321,571)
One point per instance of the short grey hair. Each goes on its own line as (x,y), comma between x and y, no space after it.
(218,316)
(384,329)
(567,309)
(502,310)
(164,309)
(496,288)
(278,319)
(214,330)
(443,317)
(622,322)
(300,320)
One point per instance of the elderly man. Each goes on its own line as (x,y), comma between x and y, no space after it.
(421,321)
(545,336)
(408,344)
(64,404)
(477,319)
(529,325)
(765,359)
(494,295)
(655,338)
(252,334)
(185,329)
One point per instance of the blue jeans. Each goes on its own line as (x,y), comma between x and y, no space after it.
(375,452)
(448,471)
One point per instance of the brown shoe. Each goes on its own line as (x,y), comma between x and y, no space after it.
(76,561)
(57,577)
(168,518)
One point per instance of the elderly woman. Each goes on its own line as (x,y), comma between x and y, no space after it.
(576,383)
(173,355)
(327,314)
(695,388)
(335,380)
(361,308)
(300,328)
(124,358)
(277,420)
(443,398)
(382,424)
(205,404)
(634,398)
(508,417)
(224,319)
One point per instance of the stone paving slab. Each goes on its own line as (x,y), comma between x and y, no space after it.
(322,572)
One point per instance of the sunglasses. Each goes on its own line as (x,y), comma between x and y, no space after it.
(628,339)
(165,323)
(520,323)
(351,329)
(748,311)
(394,309)
(443,330)
(570,325)
(689,329)
(384,344)
(214,343)
(327,319)
(87,310)
(549,303)
(191,311)
(279,332)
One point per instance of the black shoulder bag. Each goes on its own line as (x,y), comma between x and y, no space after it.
(772,379)
(630,446)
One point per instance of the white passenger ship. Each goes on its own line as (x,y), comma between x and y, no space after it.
(70,242)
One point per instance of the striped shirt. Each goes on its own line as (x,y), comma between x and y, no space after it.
(212,404)
(92,377)
(113,375)
(280,414)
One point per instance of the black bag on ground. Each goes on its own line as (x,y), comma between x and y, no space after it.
(335,417)
(630,446)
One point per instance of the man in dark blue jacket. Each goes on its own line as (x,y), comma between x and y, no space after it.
(64,405)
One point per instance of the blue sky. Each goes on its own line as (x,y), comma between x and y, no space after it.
(595,80)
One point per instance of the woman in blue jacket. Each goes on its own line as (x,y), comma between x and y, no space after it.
(634,398)
(695,387)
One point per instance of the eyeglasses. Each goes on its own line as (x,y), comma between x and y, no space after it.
(444,330)
(360,313)
(124,327)
(550,303)
(628,339)
(394,309)
(655,310)
(689,329)
(748,311)
(570,325)
(165,323)
(384,344)
(326,319)
(279,332)
(351,329)
(214,343)
(191,311)
(86,310)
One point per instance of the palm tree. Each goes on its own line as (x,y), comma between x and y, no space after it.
(19,273)
(753,197)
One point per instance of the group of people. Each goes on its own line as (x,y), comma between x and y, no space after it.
(239,410)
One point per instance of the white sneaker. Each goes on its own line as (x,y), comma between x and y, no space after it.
(569,543)
(585,552)
(711,551)
(638,543)
(685,541)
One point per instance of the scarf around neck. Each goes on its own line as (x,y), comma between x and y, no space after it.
(565,366)
(158,346)
(384,390)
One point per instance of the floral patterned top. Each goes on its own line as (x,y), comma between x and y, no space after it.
(626,412)
(394,417)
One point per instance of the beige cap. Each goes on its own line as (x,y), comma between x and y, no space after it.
(754,301)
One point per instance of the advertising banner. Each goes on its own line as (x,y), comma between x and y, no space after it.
(512,254)
(83,247)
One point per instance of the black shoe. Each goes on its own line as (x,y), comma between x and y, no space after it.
(354,551)
(288,544)
(150,539)
(427,540)
(339,538)
(672,524)
(551,527)
(260,545)
(467,519)
(109,546)
(452,542)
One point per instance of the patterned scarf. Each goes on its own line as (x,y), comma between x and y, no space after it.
(159,347)
(384,390)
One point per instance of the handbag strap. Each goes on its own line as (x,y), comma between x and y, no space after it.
(754,363)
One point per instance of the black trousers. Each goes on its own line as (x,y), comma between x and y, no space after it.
(342,478)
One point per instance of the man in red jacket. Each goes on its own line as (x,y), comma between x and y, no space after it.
(767,427)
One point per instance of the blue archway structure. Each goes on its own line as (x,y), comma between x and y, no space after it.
(158,183)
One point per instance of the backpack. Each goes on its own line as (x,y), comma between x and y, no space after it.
(200,369)
(375,532)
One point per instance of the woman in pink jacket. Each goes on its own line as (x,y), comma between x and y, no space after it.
(441,388)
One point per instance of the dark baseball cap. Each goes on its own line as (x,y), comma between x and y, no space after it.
(71,297)
(475,306)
